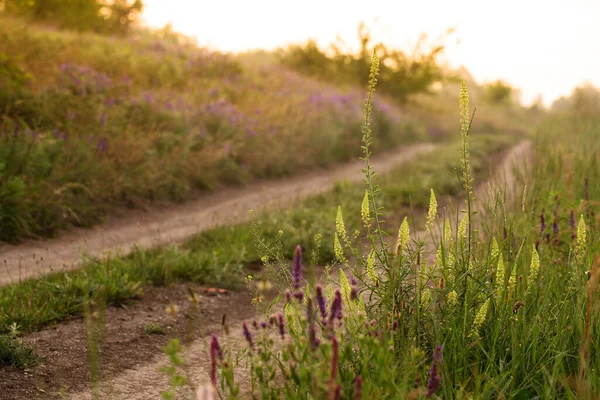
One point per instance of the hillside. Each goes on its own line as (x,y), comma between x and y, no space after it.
(90,123)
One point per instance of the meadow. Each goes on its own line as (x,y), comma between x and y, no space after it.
(405,286)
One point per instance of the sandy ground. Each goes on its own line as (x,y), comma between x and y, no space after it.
(176,223)
(146,382)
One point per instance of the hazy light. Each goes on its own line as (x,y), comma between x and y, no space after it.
(543,47)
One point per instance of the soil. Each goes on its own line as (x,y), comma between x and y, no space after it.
(161,226)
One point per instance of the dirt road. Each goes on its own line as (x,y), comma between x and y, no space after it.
(178,222)
(146,381)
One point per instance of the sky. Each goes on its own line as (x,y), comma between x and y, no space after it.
(541,47)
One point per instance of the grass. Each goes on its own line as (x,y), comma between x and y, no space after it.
(15,353)
(154,328)
(219,256)
(507,307)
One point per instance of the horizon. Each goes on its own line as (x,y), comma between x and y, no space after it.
(549,58)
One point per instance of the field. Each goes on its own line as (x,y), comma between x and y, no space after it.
(467,267)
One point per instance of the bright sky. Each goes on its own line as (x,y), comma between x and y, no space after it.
(540,46)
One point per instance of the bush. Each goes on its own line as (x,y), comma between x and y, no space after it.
(401,75)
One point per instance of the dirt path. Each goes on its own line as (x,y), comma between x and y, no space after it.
(175,223)
(146,382)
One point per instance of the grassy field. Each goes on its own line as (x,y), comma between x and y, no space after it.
(90,123)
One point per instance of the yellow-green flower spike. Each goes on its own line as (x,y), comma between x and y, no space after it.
(464,108)
(403,236)
(371,268)
(500,274)
(365,211)
(337,249)
(534,267)
(340,228)
(452,298)
(432,213)
(462,228)
(480,318)
(345,287)
(581,240)
(425,297)
(495,251)
(447,232)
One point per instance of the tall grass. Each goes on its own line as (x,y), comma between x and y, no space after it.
(504,306)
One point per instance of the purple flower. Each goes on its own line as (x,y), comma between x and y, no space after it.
(434,380)
(395,325)
(263,324)
(336,307)
(247,334)
(586,192)
(288,296)
(334,358)
(542,223)
(358,387)
(215,352)
(281,325)
(354,289)
(321,302)
(297,268)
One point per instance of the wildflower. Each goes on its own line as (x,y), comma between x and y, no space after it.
(480,318)
(542,224)
(425,298)
(462,228)
(345,286)
(247,334)
(297,268)
(572,224)
(580,243)
(340,228)
(452,298)
(288,296)
(534,266)
(495,250)
(215,352)
(336,307)
(358,387)
(321,302)
(281,325)
(371,267)
(447,232)
(432,213)
(500,274)
(337,249)
(172,310)
(334,358)
(365,211)
(395,325)
(403,236)
(434,380)
(512,282)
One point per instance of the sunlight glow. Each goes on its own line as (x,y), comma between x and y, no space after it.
(542,47)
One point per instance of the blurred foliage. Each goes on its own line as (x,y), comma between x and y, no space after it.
(102,16)
(401,74)
(584,101)
(499,93)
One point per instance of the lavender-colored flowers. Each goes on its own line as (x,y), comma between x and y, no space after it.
(321,302)
(434,380)
(281,325)
(297,268)
(336,307)
(358,381)
(247,334)
(215,353)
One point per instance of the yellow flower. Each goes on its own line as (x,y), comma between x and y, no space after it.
(403,236)
(447,232)
(462,228)
(581,240)
(371,268)
(495,250)
(365,211)
(500,275)
(425,298)
(480,318)
(534,267)
(452,298)
(337,249)
(432,213)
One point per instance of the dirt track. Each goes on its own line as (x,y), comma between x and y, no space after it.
(174,224)
(146,382)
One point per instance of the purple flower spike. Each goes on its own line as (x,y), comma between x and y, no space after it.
(434,380)
(215,352)
(322,302)
(572,224)
(336,307)
(358,387)
(281,326)
(247,334)
(297,268)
